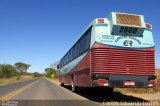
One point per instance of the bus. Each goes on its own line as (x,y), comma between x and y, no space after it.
(116,51)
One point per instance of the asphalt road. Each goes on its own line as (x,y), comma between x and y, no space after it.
(8,88)
(42,92)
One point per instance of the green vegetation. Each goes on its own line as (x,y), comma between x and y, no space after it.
(18,72)
(36,74)
(50,72)
(22,67)
(6,70)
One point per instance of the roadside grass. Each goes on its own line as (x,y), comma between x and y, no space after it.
(15,79)
(143,90)
(54,80)
(158,73)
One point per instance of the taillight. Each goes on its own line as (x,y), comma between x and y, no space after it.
(100,20)
(101,80)
(148,25)
(152,83)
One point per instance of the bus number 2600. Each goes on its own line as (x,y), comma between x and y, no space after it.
(128,30)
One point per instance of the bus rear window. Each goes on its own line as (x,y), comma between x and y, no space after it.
(128,19)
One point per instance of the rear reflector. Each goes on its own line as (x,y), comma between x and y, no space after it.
(152,83)
(148,25)
(101,80)
(100,20)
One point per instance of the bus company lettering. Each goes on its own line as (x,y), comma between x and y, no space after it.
(121,37)
(134,38)
(111,37)
(127,43)
(130,37)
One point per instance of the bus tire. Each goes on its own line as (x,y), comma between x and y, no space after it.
(62,84)
(109,90)
(74,88)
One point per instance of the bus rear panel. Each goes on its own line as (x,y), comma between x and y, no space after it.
(117,51)
(123,52)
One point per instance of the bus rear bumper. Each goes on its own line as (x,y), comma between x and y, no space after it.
(120,81)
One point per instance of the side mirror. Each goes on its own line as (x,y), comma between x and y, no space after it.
(58,66)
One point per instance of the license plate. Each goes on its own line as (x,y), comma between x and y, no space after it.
(129,83)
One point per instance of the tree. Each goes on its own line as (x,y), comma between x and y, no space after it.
(22,67)
(48,69)
(7,70)
(1,75)
(49,72)
(36,74)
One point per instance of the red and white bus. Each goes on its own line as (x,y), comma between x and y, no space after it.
(117,51)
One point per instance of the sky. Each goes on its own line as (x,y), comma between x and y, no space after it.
(39,32)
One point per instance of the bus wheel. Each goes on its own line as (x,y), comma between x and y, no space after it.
(62,84)
(73,87)
(109,90)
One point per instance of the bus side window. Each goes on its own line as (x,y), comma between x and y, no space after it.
(88,39)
